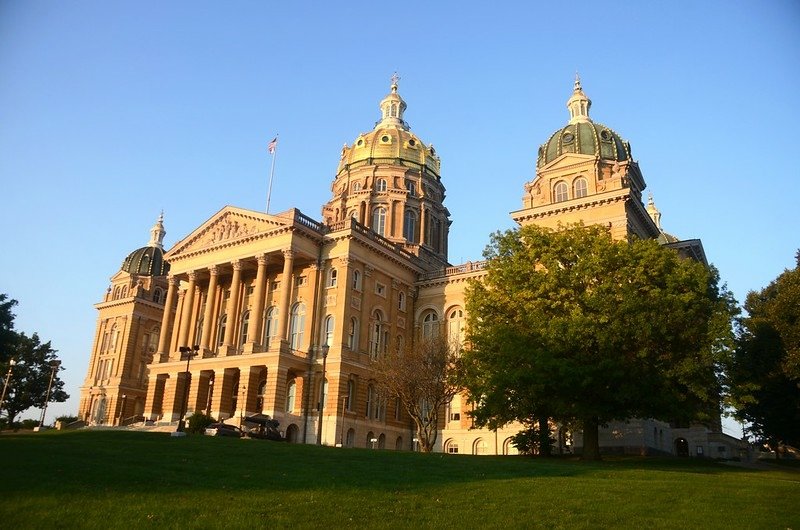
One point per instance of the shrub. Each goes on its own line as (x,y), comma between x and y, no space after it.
(198,422)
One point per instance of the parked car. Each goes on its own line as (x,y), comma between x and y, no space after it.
(223,429)
(262,427)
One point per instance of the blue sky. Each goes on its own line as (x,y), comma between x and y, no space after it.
(113,111)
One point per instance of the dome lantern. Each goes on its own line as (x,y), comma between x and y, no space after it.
(149,260)
(392,107)
(578,104)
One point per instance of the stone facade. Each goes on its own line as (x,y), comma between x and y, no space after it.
(285,313)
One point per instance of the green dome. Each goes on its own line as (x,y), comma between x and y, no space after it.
(587,138)
(146,261)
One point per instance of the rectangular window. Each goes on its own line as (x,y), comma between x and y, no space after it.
(250,290)
(275,286)
(301,280)
(455,416)
(380,289)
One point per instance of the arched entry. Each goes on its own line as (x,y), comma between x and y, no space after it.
(681,447)
(292,433)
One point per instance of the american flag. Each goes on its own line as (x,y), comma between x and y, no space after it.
(272,146)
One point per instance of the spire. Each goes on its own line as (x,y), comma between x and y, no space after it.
(157,233)
(653,212)
(578,104)
(392,107)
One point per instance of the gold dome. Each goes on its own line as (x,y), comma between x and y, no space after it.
(390,142)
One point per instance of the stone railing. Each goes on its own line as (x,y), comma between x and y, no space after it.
(470,266)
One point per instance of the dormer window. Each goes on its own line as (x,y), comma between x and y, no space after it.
(580,188)
(380,185)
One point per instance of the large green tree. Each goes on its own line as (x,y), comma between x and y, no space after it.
(764,375)
(31,376)
(7,334)
(570,325)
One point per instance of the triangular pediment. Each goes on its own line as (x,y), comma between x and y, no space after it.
(226,226)
(567,161)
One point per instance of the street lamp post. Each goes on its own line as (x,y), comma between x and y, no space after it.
(11,363)
(122,410)
(324,349)
(54,364)
(189,353)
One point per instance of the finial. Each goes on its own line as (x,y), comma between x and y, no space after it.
(577,82)
(395,78)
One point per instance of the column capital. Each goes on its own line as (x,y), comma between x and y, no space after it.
(192,276)
(172,280)
(288,253)
(213,270)
(262,259)
(237,264)
(368,270)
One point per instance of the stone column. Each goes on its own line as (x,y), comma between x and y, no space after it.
(257,315)
(172,397)
(208,314)
(167,318)
(230,311)
(188,306)
(286,291)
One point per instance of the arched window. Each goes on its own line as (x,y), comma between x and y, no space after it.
(198,331)
(124,291)
(451,447)
(380,185)
(327,330)
(351,393)
(399,345)
(394,110)
(560,192)
(379,220)
(479,447)
(352,334)
(157,295)
(412,188)
(357,280)
(262,387)
(509,448)
(580,188)
(371,400)
(382,441)
(297,324)
(430,325)
(116,292)
(223,324)
(356,186)
(398,444)
(410,226)
(153,344)
(350,440)
(244,327)
(332,278)
(401,301)
(270,326)
(455,327)
(114,338)
(379,332)
(291,395)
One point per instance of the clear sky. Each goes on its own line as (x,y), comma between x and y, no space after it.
(113,111)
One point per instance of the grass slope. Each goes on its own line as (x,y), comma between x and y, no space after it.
(109,479)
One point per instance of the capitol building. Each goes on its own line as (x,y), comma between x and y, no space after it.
(286,312)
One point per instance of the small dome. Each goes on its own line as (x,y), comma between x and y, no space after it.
(146,261)
(149,260)
(586,138)
(583,136)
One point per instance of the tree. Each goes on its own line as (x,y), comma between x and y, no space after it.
(424,378)
(573,326)
(7,334)
(764,373)
(31,376)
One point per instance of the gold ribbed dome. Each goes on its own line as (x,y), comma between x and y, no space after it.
(390,142)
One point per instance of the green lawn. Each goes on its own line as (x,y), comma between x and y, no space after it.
(105,479)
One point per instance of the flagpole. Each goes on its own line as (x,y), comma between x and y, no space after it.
(272,169)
